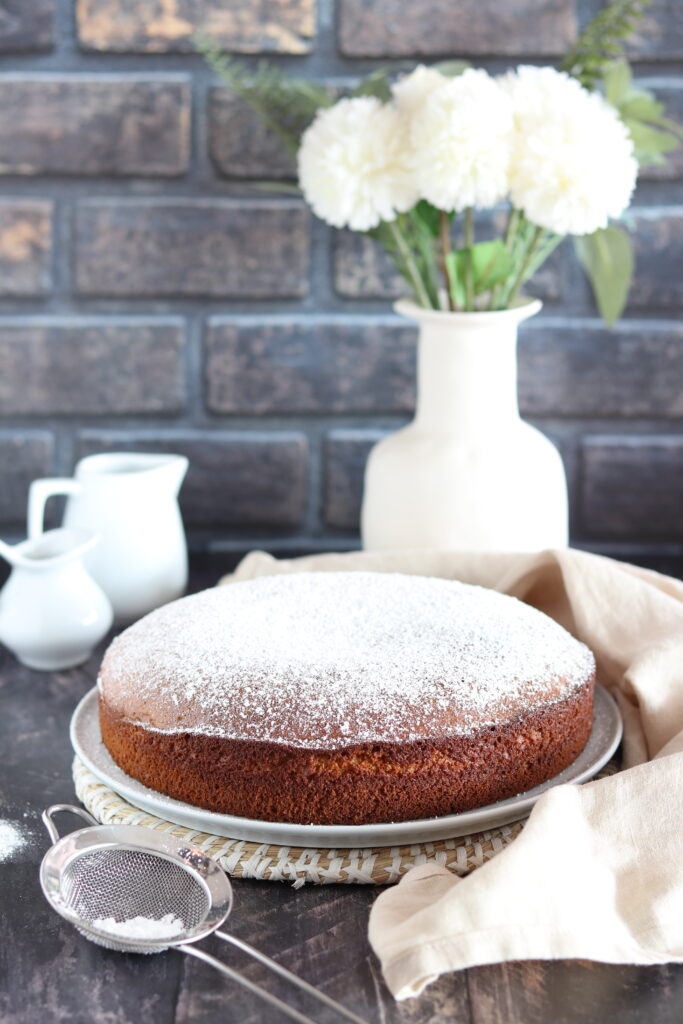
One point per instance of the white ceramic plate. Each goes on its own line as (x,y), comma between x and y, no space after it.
(87,742)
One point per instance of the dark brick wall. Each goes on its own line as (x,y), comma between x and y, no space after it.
(154,296)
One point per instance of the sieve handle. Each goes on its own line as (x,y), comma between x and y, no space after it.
(50,825)
(293,978)
(255,989)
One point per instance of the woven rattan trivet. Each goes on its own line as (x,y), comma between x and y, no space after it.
(376,866)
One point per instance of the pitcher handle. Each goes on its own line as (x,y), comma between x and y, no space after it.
(38,494)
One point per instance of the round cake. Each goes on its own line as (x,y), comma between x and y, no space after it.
(345,698)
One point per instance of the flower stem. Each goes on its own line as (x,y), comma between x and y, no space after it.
(445,243)
(526,263)
(411,267)
(469,242)
(508,241)
(511,226)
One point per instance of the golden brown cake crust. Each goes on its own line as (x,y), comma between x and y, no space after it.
(362,784)
(345,698)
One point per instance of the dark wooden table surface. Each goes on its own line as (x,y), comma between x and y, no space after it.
(48,972)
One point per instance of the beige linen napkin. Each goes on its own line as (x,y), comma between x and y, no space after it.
(597,872)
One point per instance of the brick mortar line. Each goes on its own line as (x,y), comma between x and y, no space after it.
(286,426)
(181,68)
(193,365)
(63,254)
(315,475)
(58,307)
(65,27)
(183,187)
(318,63)
(178,315)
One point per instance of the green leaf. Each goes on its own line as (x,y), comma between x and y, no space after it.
(286,188)
(650,143)
(375,84)
(651,132)
(429,216)
(456,277)
(616,80)
(641,105)
(451,68)
(607,258)
(491,265)
(668,125)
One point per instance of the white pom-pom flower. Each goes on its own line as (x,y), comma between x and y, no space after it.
(413,90)
(572,165)
(353,164)
(460,140)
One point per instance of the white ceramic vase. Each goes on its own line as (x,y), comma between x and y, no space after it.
(468,474)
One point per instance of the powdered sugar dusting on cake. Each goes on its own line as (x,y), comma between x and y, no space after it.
(329,660)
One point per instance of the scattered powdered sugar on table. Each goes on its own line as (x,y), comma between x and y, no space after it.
(167,927)
(12,839)
(329,660)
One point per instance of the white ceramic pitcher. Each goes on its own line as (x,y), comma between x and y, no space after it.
(130,499)
(52,613)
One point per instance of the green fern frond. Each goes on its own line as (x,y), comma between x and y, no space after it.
(287,105)
(602,40)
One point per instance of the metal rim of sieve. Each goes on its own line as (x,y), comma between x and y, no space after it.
(60,864)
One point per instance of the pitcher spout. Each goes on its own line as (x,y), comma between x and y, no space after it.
(50,549)
(9,553)
(175,468)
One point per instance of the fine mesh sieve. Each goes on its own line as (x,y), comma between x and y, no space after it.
(136,890)
(121,885)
